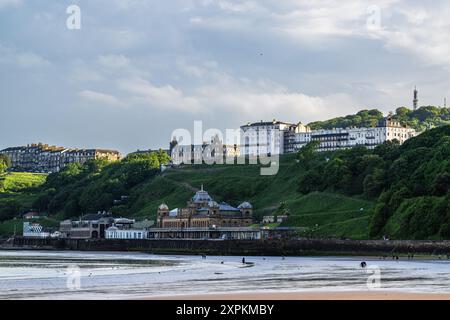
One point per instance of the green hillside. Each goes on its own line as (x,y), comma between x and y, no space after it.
(19,181)
(18,192)
(64,194)
(421,119)
(399,191)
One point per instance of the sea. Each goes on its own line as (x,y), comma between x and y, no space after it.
(69,275)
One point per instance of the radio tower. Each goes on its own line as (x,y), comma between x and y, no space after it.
(416,100)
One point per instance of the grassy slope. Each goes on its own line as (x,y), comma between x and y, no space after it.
(17,181)
(324,214)
(17,186)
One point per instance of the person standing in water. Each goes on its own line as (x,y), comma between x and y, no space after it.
(243,260)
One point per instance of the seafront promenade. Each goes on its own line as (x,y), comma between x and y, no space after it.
(297,247)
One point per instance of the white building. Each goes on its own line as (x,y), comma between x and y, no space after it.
(34,230)
(335,139)
(123,229)
(267,138)
(116,233)
(214,151)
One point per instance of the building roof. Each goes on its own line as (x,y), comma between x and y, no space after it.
(245,205)
(267,123)
(124,221)
(223,206)
(213,204)
(95,217)
(48,148)
(163,206)
(201,196)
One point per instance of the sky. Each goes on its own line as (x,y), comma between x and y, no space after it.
(136,70)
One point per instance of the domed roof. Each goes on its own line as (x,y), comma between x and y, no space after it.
(202,196)
(245,205)
(163,206)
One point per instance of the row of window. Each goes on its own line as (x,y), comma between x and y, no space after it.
(125,235)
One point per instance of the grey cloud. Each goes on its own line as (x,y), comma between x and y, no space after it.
(139,69)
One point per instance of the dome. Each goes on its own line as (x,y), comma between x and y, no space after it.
(202,196)
(245,205)
(163,207)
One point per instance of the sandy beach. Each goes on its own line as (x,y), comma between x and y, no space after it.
(119,275)
(375,295)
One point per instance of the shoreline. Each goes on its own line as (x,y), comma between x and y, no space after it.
(314,295)
(327,254)
(324,254)
(280,247)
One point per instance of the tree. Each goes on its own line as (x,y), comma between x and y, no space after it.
(380,216)
(163,157)
(374,183)
(337,175)
(441,184)
(9,209)
(306,153)
(5,163)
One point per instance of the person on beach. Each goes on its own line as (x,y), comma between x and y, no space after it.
(243,260)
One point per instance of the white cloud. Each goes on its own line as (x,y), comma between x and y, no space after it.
(420,31)
(166,97)
(169,62)
(208,68)
(259,100)
(99,98)
(425,35)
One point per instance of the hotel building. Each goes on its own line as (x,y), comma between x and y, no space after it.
(270,138)
(43,158)
(214,151)
(335,139)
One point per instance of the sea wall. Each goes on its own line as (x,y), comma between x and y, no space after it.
(243,247)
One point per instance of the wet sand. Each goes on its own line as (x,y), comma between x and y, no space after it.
(106,275)
(372,295)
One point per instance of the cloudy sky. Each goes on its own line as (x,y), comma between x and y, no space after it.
(138,69)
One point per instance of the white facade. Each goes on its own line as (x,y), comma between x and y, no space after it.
(263,138)
(268,219)
(214,151)
(34,230)
(116,233)
(335,139)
